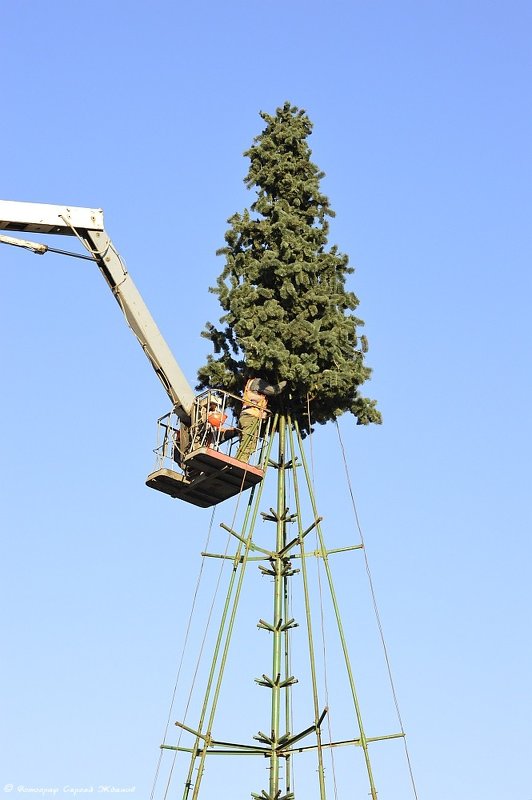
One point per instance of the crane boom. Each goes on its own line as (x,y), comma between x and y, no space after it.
(86,224)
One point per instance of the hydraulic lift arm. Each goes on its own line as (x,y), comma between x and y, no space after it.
(208,473)
(86,224)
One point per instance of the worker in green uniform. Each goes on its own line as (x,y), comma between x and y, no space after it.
(254,411)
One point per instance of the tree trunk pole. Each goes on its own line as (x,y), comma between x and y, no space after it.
(278,604)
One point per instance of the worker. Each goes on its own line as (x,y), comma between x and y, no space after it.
(254,411)
(216,416)
(217,432)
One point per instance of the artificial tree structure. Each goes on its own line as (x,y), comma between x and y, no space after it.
(287,317)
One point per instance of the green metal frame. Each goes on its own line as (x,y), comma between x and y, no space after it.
(279,743)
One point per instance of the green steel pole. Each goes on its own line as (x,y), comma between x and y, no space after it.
(363,738)
(227,619)
(232,617)
(189,782)
(278,610)
(312,656)
(288,693)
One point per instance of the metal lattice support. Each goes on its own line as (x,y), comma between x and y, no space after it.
(278,744)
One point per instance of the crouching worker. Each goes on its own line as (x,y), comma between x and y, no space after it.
(217,432)
(254,411)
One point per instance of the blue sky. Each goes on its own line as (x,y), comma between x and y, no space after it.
(423,128)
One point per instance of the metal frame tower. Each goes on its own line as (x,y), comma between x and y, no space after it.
(278,743)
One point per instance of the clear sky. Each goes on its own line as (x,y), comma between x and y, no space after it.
(423,127)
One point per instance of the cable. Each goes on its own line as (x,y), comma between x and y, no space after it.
(376,610)
(187,633)
(94,253)
(202,646)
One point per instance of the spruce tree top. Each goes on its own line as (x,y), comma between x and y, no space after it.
(287,312)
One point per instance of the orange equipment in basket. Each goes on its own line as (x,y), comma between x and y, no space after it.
(216,418)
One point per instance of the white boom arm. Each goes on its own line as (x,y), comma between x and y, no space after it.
(87,225)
